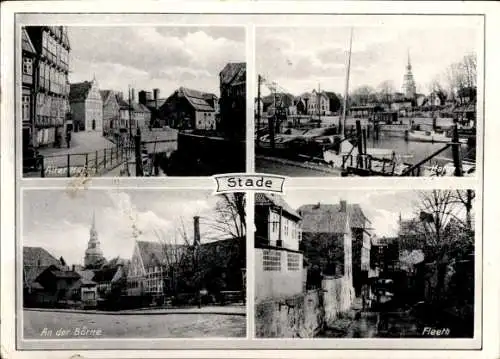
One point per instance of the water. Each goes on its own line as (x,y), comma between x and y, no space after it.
(408,151)
(414,152)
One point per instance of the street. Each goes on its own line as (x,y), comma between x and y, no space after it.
(57,325)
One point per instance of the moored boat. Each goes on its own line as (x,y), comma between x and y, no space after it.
(428,136)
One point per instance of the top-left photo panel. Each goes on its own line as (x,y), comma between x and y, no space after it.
(119,101)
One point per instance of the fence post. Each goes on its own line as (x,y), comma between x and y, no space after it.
(68,166)
(104,160)
(42,174)
(96,161)
(111,157)
(87,161)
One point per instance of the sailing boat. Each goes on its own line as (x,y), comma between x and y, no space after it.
(343,149)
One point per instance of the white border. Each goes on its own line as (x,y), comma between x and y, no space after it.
(491,158)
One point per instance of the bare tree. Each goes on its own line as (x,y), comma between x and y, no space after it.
(230,216)
(363,95)
(386,90)
(442,227)
(466,198)
(462,76)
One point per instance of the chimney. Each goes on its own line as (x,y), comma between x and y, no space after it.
(73,267)
(156,94)
(197,239)
(343,206)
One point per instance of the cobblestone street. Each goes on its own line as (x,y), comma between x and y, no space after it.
(47,325)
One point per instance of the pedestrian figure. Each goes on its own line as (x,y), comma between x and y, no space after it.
(68,138)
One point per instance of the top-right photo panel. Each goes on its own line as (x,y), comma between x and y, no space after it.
(389,99)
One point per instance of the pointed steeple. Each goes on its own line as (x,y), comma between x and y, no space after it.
(409,87)
(93,254)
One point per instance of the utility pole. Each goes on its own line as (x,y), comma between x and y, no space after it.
(259,79)
(272,119)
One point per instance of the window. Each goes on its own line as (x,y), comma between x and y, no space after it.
(293,261)
(286,227)
(44,40)
(26,107)
(272,260)
(27,66)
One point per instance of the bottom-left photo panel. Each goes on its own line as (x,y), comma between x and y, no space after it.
(131,263)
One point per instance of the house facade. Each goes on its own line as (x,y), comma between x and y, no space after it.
(49,101)
(328,218)
(86,106)
(233,100)
(279,263)
(133,115)
(110,112)
(28,88)
(188,109)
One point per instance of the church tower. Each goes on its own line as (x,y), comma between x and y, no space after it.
(93,254)
(409,87)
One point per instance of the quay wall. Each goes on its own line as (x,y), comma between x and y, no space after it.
(299,316)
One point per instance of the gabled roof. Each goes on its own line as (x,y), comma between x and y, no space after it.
(328,217)
(153,253)
(27,45)
(57,272)
(323,220)
(134,106)
(78,91)
(197,99)
(233,73)
(107,95)
(269,199)
(38,257)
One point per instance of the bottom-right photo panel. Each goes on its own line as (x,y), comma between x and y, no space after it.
(365,264)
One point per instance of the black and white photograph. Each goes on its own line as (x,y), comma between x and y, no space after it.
(133,264)
(375,100)
(365,264)
(132,100)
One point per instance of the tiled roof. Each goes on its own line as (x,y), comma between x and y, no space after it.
(233,73)
(105,94)
(196,98)
(323,219)
(267,199)
(27,44)
(58,273)
(78,91)
(153,253)
(357,218)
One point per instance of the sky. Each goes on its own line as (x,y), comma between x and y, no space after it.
(59,221)
(154,57)
(301,59)
(382,208)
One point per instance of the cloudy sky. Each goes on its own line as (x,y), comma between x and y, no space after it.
(381,207)
(300,58)
(154,57)
(60,221)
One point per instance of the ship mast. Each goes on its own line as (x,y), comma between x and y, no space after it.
(346,92)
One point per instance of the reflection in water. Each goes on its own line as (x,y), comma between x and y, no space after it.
(413,151)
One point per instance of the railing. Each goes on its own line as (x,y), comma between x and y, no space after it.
(83,164)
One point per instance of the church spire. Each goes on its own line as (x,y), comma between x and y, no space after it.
(409,60)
